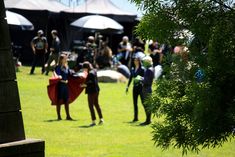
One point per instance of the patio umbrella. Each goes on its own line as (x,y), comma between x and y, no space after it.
(18,20)
(98,23)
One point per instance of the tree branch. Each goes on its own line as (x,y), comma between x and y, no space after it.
(222,4)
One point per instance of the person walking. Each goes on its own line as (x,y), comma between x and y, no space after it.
(39,46)
(62,72)
(92,91)
(54,51)
(136,71)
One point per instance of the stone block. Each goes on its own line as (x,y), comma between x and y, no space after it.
(4,32)
(9,97)
(23,148)
(7,67)
(12,128)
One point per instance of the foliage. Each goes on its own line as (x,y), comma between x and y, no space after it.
(196,114)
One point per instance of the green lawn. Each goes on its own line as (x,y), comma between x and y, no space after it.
(116,138)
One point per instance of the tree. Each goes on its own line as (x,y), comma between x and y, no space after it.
(195,114)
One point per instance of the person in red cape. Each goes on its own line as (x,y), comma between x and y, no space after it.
(64,88)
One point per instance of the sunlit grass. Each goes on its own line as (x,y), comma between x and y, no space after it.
(116,138)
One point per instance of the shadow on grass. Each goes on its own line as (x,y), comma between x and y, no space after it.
(87,126)
(136,124)
(56,120)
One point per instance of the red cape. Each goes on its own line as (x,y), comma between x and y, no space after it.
(74,85)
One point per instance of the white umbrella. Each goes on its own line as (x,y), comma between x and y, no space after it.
(18,20)
(97,22)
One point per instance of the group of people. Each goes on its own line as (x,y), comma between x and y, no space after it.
(144,69)
(58,63)
(39,46)
(63,72)
(129,55)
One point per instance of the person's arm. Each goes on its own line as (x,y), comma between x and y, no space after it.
(33,46)
(57,72)
(161,57)
(46,44)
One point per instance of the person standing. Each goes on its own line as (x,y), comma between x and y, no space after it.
(91,48)
(62,72)
(147,82)
(92,91)
(124,51)
(39,46)
(155,53)
(136,71)
(54,51)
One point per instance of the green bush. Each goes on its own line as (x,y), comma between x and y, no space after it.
(196,114)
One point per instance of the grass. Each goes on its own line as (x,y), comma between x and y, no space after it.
(116,138)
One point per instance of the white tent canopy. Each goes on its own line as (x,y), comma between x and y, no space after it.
(18,20)
(97,22)
(50,5)
(99,7)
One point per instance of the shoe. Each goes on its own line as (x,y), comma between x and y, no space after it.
(69,118)
(135,120)
(59,118)
(92,124)
(101,122)
(145,123)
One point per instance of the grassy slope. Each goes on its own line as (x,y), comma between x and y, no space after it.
(116,138)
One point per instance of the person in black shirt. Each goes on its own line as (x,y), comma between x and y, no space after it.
(155,53)
(92,90)
(54,51)
(39,46)
(136,71)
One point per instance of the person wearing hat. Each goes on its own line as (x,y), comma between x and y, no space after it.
(39,46)
(147,82)
(136,71)
(54,51)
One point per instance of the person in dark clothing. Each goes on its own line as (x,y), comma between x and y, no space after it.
(124,51)
(91,50)
(62,72)
(92,90)
(39,46)
(147,82)
(54,51)
(136,71)
(155,53)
